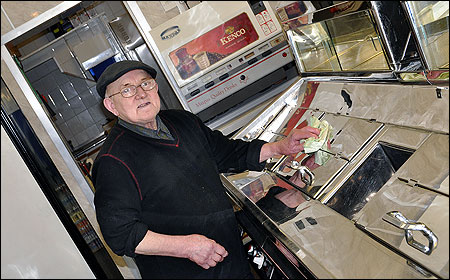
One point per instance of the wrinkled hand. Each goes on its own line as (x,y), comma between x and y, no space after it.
(204,251)
(292,145)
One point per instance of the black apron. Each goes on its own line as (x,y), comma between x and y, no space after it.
(221,227)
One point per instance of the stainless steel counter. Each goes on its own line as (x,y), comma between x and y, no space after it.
(379,207)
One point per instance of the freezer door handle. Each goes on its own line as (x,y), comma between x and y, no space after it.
(400,221)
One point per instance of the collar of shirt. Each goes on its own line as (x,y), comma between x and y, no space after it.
(162,132)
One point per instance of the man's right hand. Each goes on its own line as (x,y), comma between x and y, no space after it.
(204,251)
(198,248)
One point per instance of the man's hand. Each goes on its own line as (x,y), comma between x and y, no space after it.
(198,248)
(289,145)
(204,251)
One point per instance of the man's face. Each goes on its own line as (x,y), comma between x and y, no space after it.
(140,109)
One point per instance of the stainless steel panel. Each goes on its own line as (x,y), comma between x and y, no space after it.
(241,199)
(284,123)
(348,137)
(254,185)
(126,32)
(417,205)
(275,198)
(405,137)
(321,234)
(328,244)
(93,51)
(404,105)
(376,169)
(359,182)
(396,34)
(328,98)
(287,101)
(323,175)
(428,166)
(349,134)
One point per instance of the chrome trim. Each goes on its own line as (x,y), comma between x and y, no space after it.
(410,17)
(378,19)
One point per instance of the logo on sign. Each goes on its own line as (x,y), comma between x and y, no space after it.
(170,32)
(232,35)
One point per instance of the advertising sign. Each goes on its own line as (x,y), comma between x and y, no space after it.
(213,46)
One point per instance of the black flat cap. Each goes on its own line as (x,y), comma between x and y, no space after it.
(116,70)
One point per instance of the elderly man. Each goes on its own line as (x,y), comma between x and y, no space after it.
(159,198)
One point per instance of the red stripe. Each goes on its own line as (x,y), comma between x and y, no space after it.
(115,141)
(129,170)
(178,138)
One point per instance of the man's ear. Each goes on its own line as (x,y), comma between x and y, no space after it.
(109,105)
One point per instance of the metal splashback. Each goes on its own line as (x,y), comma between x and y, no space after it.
(414,106)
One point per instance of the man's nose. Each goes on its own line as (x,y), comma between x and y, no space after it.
(140,92)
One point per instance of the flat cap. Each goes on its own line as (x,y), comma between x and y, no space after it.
(116,70)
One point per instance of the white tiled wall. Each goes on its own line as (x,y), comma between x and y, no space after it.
(79,110)
(80,114)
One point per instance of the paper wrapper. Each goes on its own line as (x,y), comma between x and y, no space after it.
(314,145)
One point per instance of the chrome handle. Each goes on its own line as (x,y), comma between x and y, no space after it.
(397,219)
(309,179)
(306,175)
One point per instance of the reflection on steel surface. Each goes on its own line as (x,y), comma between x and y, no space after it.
(428,166)
(371,175)
(306,175)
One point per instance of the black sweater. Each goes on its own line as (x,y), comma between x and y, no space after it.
(171,187)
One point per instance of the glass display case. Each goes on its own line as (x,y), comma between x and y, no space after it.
(346,43)
(429,20)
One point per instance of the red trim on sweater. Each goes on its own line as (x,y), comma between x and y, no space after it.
(112,145)
(132,174)
(173,128)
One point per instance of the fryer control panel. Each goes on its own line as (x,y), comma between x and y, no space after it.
(236,74)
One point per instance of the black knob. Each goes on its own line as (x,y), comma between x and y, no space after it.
(242,77)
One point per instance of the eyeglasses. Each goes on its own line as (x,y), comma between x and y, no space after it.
(130,91)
